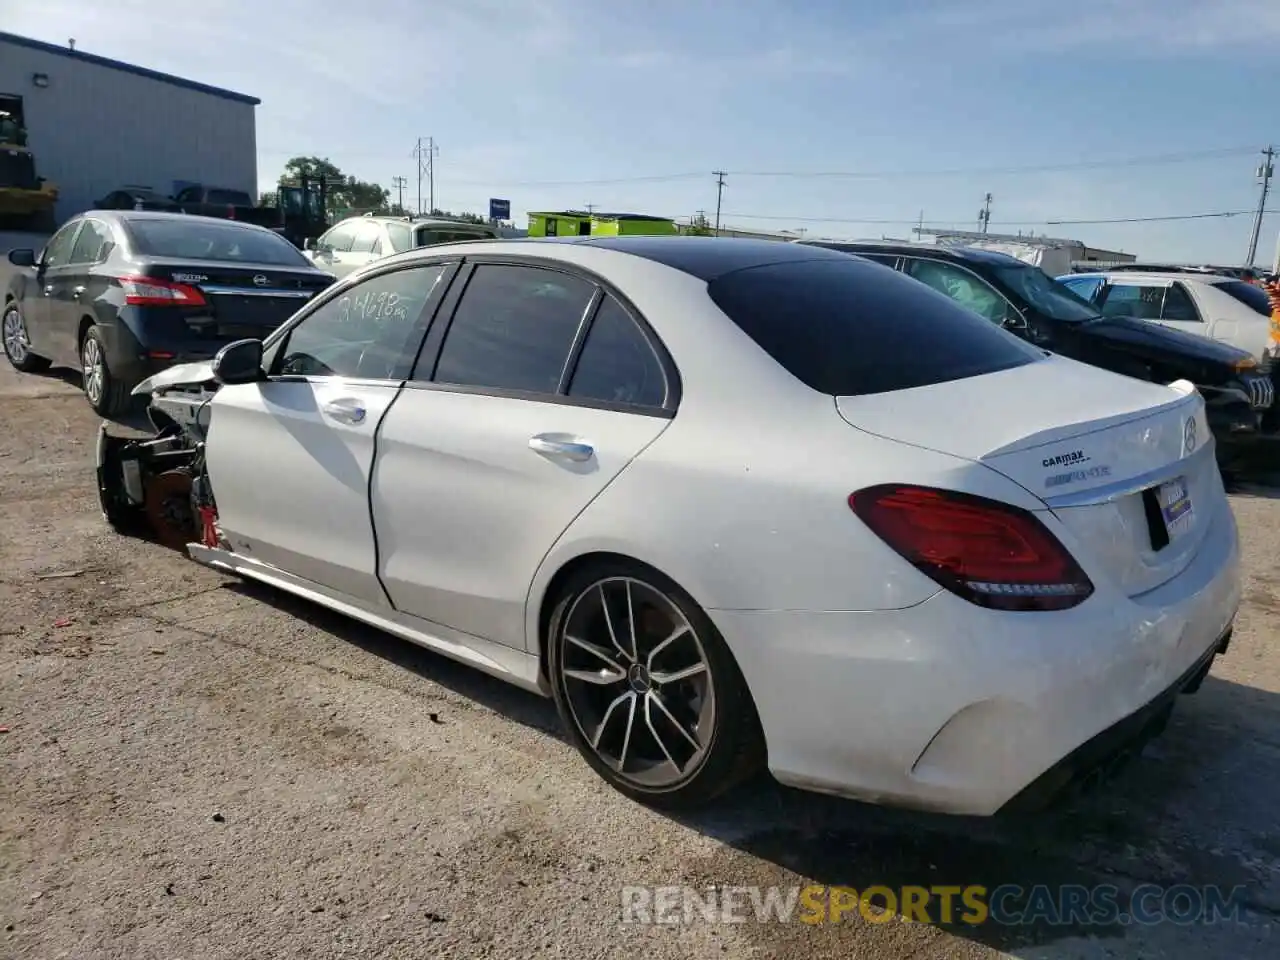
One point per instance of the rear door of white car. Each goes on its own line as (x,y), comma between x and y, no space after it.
(535,388)
(290,457)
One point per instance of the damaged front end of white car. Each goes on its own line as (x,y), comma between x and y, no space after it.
(156,486)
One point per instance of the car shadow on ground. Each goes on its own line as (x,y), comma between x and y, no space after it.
(1193,809)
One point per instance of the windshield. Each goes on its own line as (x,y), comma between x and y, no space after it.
(1248,294)
(190,239)
(1038,290)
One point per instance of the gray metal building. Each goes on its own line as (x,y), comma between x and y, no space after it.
(95,124)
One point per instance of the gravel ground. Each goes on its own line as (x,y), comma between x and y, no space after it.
(194,767)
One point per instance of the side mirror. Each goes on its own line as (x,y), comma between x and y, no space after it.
(239,362)
(22,258)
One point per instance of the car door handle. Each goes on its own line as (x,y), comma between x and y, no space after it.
(551,446)
(76,291)
(48,290)
(347,411)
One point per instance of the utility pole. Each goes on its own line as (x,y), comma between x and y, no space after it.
(425,152)
(719,175)
(591,208)
(1264,173)
(399,183)
(984,215)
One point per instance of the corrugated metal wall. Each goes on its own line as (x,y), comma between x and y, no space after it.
(94,128)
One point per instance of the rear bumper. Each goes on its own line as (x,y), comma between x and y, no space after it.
(1097,759)
(945,706)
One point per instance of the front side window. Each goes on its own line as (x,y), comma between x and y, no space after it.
(372,331)
(57,251)
(1086,288)
(513,329)
(618,363)
(366,237)
(91,242)
(204,238)
(846,327)
(340,238)
(963,287)
(1032,286)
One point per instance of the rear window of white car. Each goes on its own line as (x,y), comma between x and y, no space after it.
(851,328)
(1248,294)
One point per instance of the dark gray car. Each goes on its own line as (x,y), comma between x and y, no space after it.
(122,295)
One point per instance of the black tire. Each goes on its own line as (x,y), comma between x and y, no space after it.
(110,397)
(25,361)
(734,750)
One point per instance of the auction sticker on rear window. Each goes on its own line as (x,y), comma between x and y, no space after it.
(1175,507)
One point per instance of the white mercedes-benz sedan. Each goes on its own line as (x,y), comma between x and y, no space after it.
(731,503)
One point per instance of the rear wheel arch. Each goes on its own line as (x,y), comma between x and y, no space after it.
(554,591)
(86,322)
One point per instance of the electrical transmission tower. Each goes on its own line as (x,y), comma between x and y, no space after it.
(425,152)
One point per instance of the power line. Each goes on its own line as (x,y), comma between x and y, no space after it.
(1008,223)
(1136,161)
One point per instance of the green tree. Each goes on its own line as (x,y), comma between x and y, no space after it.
(464,217)
(343,192)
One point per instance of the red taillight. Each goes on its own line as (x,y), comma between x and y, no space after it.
(150,292)
(992,554)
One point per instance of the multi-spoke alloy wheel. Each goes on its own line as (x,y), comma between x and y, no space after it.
(649,690)
(17,342)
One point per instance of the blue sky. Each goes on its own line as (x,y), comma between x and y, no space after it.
(631,105)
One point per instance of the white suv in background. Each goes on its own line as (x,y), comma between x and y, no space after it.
(1209,305)
(350,244)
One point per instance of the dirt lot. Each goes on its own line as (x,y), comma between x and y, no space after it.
(195,768)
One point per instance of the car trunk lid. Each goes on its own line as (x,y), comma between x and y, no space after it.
(241,299)
(1125,465)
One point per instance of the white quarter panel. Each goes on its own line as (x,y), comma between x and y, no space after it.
(465,509)
(291,480)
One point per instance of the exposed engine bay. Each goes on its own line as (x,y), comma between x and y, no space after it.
(157,487)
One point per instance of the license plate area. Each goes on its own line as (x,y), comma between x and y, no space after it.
(1170,512)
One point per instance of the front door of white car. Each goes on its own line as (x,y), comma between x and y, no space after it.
(537,393)
(291,457)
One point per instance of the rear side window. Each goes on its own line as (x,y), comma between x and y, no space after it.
(204,238)
(848,327)
(1085,287)
(513,329)
(1248,294)
(430,236)
(617,363)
